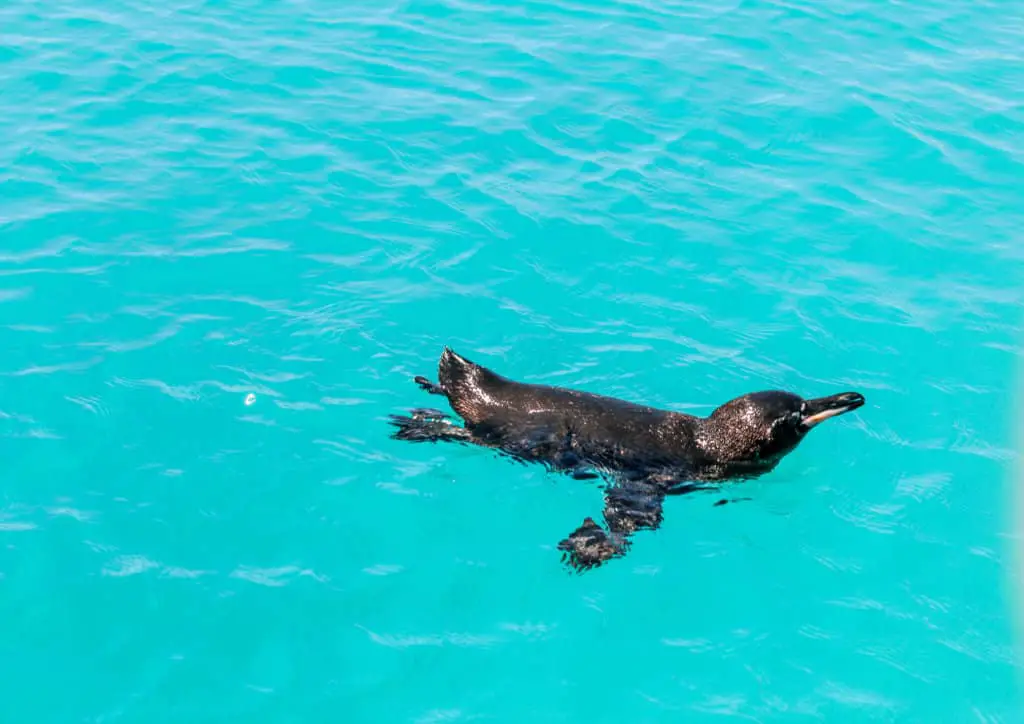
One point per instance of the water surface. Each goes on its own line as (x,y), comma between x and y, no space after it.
(674,203)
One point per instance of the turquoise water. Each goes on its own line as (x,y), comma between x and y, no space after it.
(671,202)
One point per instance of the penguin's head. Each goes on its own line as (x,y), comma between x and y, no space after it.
(762,427)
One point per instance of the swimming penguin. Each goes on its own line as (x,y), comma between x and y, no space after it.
(647,453)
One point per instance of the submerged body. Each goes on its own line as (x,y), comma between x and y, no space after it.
(647,452)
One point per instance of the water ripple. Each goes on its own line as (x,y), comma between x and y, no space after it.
(672,202)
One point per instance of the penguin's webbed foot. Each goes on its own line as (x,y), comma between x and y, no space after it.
(426,425)
(589,546)
(428,386)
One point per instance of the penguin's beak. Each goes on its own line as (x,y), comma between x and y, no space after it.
(822,408)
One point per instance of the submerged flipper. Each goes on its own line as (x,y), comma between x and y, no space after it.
(629,507)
